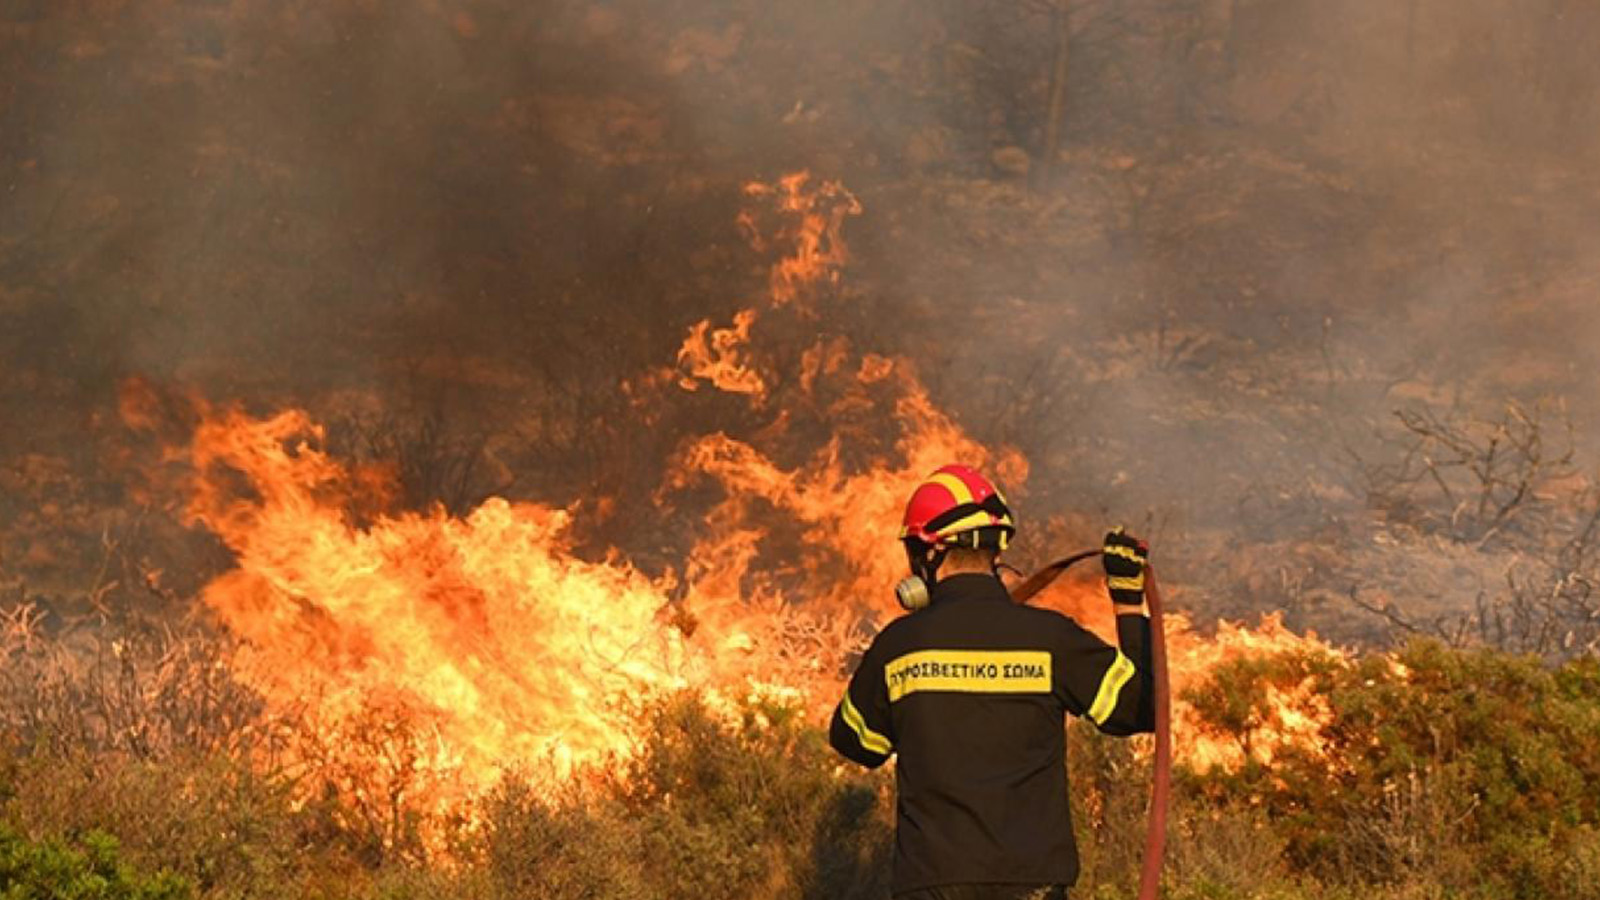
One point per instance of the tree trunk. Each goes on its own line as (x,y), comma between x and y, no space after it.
(1058,88)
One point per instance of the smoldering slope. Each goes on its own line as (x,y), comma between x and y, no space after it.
(1266,226)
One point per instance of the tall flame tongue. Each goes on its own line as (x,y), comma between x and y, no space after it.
(718,356)
(811,225)
(817,216)
(849,522)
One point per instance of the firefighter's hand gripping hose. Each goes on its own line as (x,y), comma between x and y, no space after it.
(1161,764)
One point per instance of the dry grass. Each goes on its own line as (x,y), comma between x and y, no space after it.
(145,735)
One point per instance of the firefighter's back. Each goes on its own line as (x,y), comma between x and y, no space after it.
(970,689)
(979,730)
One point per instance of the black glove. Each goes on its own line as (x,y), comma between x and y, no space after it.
(1124,558)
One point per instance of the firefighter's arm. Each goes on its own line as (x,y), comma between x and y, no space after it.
(1134,711)
(1125,559)
(1114,687)
(861,730)
(1110,687)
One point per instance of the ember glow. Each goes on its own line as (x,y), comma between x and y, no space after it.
(439,652)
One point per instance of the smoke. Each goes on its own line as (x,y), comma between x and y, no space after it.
(1261,227)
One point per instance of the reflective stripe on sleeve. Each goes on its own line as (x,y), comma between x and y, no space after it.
(869,739)
(1105,699)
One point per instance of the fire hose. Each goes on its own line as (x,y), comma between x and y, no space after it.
(1161,777)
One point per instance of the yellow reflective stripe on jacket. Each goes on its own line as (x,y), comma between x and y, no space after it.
(869,739)
(969,672)
(1105,699)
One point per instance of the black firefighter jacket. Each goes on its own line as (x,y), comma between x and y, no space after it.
(970,693)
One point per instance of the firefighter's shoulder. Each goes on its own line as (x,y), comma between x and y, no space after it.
(900,629)
(893,637)
(1055,624)
(1043,617)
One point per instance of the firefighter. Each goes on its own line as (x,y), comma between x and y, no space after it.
(969,691)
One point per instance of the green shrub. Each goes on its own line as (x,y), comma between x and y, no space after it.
(710,809)
(538,845)
(228,830)
(1473,770)
(759,808)
(50,870)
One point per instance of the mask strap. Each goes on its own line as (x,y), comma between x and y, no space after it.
(922,565)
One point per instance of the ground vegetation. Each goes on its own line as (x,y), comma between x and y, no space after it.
(1444,773)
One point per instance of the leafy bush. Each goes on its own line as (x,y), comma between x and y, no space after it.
(539,846)
(1473,770)
(710,809)
(51,870)
(228,830)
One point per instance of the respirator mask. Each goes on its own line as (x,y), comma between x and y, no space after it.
(915,592)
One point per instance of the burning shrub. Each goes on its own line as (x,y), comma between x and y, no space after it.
(1275,703)
(1468,769)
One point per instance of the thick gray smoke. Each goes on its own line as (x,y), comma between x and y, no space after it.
(1188,255)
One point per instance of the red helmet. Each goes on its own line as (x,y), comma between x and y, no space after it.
(957,506)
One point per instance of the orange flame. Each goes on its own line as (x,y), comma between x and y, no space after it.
(720,357)
(1290,715)
(1293,715)
(432,612)
(499,648)
(849,521)
(485,643)
(817,232)
(490,639)
(813,225)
